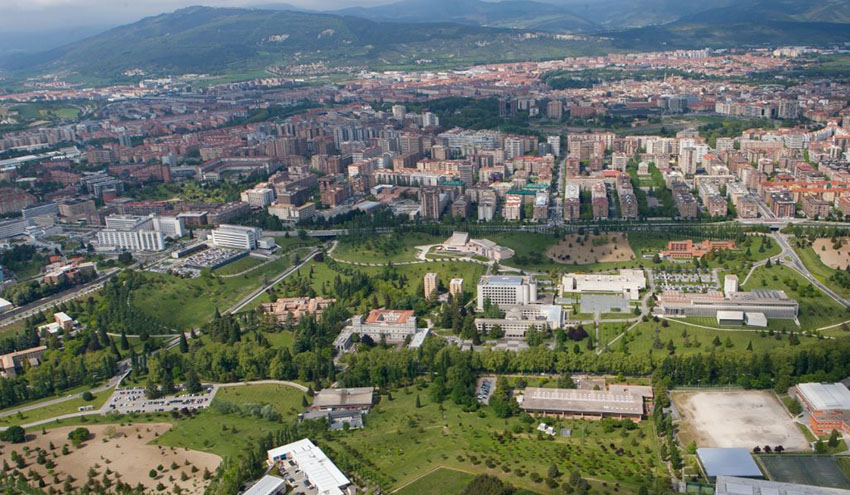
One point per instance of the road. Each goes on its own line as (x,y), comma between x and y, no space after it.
(289,271)
(797,264)
(35,307)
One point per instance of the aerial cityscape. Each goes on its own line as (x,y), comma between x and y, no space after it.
(516,247)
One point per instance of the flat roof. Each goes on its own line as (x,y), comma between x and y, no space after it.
(318,468)
(581,401)
(728,462)
(825,396)
(267,485)
(343,397)
(730,485)
(501,280)
(730,315)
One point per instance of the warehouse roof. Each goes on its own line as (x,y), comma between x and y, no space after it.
(728,462)
(825,396)
(318,468)
(728,485)
(581,401)
(266,486)
(343,397)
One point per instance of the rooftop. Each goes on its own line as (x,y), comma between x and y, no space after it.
(825,396)
(343,397)
(392,316)
(320,470)
(584,401)
(728,462)
(266,486)
(501,280)
(728,485)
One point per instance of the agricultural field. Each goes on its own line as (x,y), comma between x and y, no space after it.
(404,443)
(189,303)
(124,450)
(817,309)
(384,248)
(736,419)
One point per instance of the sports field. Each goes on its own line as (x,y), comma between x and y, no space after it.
(805,470)
(744,418)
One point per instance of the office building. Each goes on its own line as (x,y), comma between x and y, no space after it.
(521,318)
(389,325)
(769,303)
(629,283)
(13,227)
(294,309)
(430,201)
(258,197)
(503,290)
(236,237)
(12,364)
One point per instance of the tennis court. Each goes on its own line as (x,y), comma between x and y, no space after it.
(805,469)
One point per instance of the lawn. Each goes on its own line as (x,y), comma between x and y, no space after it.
(189,303)
(384,248)
(816,308)
(239,266)
(439,482)
(51,411)
(529,248)
(286,400)
(403,443)
(691,340)
(294,242)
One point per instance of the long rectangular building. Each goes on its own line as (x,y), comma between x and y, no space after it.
(828,405)
(582,403)
(506,289)
(771,303)
(319,470)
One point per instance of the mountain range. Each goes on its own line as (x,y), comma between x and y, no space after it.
(411,33)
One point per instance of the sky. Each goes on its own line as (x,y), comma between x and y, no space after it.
(22,16)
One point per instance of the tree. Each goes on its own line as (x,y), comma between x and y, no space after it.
(418,403)
(87,396)
(820,447)
(125,344)
(486,484)
(193,383)
(833,439)
(553,471)
(13,434)
(184,344)
(152,473)
(78,436)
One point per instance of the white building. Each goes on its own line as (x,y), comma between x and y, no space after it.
(503,290)
(5,305)
(131,240)
(319,470)
(629,283)
(456,287)
(730,285)
(258,197)
(139,233)
(520,319)
(236,237)
(390,325)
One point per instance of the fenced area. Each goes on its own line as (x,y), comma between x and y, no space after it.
(805,469)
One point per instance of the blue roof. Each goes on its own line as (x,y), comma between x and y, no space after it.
(728,462)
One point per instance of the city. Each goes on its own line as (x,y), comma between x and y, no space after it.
(492,248)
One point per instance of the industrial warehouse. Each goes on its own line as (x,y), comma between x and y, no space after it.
(624,403)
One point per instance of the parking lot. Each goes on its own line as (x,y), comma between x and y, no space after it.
(296,479)
(485,389)
(133,400)
(685,282)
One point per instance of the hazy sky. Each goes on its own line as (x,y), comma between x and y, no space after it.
(39,15)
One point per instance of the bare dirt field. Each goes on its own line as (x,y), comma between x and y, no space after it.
(736,419)
(831,257)
(575,249)
(122,450)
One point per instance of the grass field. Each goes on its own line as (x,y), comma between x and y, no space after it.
(404,442)
(440,482)
(805,469)
(239,266)
(816,308)
(70,391)
(189,303)
(51,411)
(286,400)
(692,340)
(384,248)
